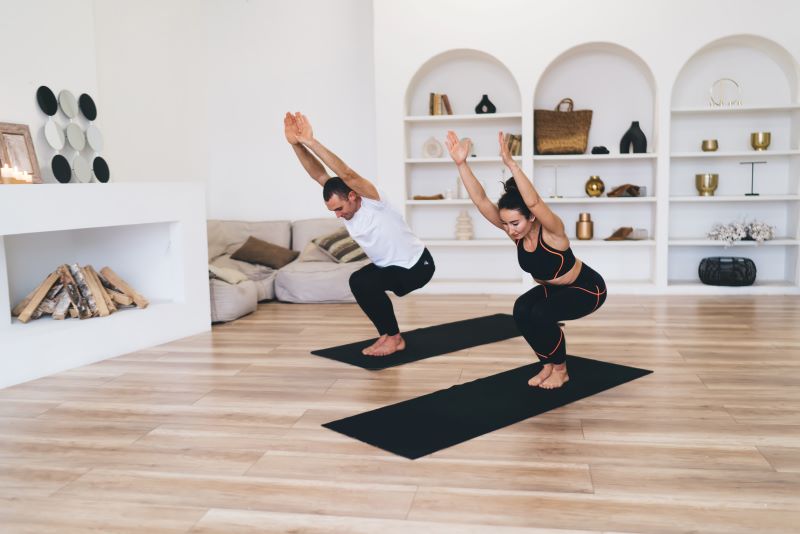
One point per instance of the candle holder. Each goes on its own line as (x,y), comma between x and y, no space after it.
(752,173)
(555,180)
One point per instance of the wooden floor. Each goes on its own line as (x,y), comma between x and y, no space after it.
(221,432)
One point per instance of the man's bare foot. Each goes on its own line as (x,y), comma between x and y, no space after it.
(370,351)
(557,378)
(544,373)
(391,345)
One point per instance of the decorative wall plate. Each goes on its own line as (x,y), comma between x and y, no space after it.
(68,104)
(47,100)
(432,148)
(75,136)
(54,135)
(101,171)
(61,168)
(94,138)
(87,106)
(81,168)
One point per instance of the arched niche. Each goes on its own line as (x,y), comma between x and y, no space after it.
(767,73)
(464,75)
(612,81)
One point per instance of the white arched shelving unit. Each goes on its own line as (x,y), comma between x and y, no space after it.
(486,263)
(767,76)
(619,88)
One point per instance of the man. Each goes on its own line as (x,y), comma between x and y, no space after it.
(400,261)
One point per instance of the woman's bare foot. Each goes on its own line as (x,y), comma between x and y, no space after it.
(370,351)
(557,378)
(544,373)
(391,345)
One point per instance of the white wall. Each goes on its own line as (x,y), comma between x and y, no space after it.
(46,42)
(196,90)
(266,58)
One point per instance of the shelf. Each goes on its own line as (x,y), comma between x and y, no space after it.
(742,198)
(780,242)
(484,159)
(769,287)
(742,154)
(468,242)
(446,202)
(740,109)
(574,242)
(599,200)
(463,118)
(595,157)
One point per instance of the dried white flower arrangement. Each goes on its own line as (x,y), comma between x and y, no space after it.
(755,230)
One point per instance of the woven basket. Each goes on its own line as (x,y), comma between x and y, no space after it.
(561,132)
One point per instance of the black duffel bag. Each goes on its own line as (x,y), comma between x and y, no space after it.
(727,271)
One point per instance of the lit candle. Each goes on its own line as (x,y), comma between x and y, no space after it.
(5,172)
(27,177)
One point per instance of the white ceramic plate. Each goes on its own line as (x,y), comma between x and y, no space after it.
(75,136)
(54,134)
(69,104)
(94,138)
(81,169)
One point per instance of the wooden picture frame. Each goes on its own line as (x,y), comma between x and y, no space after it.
(16,149)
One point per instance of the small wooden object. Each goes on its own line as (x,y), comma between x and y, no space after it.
(112,277)
(38,296)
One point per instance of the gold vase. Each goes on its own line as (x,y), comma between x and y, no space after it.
(709,145)
(760,140)
(706,184)
(595,186)
(584,228)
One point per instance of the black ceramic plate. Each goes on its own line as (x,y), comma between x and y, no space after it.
(61,168)
(87,106)
(101,171)
(47,100)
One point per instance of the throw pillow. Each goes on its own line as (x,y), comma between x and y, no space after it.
(313,253)
(255,250)
(340,247)
(232,276)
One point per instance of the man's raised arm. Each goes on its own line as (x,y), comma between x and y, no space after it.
(310,163)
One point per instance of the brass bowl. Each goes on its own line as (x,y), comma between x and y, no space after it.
(706,184)
(760,140)
(709,145)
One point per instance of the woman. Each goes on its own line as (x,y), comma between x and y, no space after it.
(567,288)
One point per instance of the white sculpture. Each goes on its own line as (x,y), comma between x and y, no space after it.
(463,226)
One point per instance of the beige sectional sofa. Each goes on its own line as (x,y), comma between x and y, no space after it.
(309,278)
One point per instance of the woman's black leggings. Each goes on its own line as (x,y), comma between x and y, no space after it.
(370,283)
(538,312)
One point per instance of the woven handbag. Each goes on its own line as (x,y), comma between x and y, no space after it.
(561,132)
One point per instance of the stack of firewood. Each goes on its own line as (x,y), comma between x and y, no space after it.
(75,291)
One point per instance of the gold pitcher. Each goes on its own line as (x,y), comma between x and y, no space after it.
(706,184)
(595,186)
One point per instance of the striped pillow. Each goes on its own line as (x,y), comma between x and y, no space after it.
(340,247)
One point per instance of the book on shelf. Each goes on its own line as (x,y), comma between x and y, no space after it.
(439,104)
(514,143)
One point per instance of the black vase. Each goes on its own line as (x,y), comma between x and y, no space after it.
(633,137)
(485,106)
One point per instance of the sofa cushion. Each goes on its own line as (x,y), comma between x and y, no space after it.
(226,274)
(229,301)
(256,250)
(340,247)
(223,234)
(264,277)
(316,281)
(303,231)
(313,253)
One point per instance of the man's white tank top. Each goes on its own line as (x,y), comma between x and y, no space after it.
(383,234)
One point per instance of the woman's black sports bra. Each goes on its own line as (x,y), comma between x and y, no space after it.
(545,262)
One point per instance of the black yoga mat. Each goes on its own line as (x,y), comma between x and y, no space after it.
(430,341)
(420,426)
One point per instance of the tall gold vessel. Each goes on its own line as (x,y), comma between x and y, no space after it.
(584,228)
(706,184)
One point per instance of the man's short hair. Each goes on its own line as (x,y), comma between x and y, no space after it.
(335,186)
